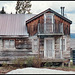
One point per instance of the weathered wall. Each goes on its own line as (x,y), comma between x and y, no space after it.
(33,25)
(58,51)
(66,53)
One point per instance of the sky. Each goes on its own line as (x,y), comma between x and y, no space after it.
(39,6)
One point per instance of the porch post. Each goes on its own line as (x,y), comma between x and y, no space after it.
(39,51)
(2,44)
(62,48)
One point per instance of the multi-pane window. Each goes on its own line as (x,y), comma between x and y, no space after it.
(9,43)
(35,45)
(12,43)
(1,43)
(48,22)
(6,43)
(63,44)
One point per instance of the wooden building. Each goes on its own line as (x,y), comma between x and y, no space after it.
(47,33)
(53,34)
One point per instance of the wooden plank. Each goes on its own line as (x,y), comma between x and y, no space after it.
(52,60)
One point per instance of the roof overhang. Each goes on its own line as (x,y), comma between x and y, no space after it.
(49,10)
(13,36)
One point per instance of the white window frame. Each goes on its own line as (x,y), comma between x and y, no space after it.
(61,44)
(45,20)
(35,43)
(9,43)
(14,43)
(5,44)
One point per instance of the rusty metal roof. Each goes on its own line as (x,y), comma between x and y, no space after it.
(14,24)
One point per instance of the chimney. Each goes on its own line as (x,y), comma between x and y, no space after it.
(2,11)
(62,11)
(2,8)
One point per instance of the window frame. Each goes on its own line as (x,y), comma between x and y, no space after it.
(9,43)
(46,16)
(61,44)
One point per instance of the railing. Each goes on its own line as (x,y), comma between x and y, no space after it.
(49,29)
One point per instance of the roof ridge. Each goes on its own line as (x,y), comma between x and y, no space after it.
(49,9)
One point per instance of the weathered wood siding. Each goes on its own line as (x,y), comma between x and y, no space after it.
(33,25)
(66,53)
(24,51)
(58,52)
(57,47)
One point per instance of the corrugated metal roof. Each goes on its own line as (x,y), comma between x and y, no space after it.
(14,24)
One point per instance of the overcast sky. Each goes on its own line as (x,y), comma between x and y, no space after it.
(39,6)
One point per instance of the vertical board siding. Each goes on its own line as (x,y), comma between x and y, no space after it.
(32,31)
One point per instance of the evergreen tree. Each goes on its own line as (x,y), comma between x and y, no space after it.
(23,6)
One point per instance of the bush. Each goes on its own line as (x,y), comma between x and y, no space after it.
(4,64)
(29,62)
(19,62)
(37,62)
(48,64)
(33,62)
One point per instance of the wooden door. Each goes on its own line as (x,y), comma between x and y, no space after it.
(48,48)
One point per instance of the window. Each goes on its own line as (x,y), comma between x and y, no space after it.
(48,22)
(64,44)
(35,45)
(1,43)
(35,41)
(12,43)
(9,43)
(6,43)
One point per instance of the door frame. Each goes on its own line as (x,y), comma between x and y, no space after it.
(53,51)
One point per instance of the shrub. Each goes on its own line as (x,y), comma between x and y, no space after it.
(4,64)
(37,62)
(29,62)
(48,64)
(19,62)
(33,62)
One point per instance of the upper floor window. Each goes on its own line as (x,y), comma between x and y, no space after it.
(48,22)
